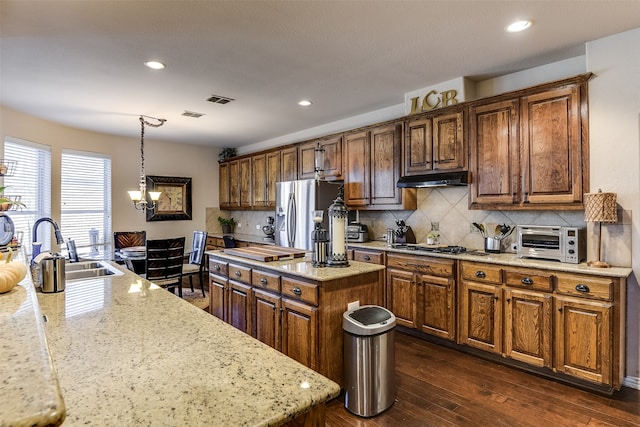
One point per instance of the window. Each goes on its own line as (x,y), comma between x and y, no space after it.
(86,198)
(32,181)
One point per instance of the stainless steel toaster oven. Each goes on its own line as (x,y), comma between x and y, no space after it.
(564,244)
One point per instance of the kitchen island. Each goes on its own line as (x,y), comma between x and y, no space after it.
(291,305)
(127,352)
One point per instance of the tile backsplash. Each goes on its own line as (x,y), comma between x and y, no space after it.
(449,207)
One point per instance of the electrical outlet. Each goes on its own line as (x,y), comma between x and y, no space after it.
(239,225)
(257,226)
(514,247)
(353,305)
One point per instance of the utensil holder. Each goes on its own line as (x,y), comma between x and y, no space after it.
(492,245)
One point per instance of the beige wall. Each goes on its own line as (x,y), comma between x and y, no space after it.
(161,158)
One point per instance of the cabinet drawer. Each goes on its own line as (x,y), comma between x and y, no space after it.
(537,280)
(421,264)
(300,290)
(483,273)
(265,280)
(239,273)
(585,286)
(218,267)
(367,256)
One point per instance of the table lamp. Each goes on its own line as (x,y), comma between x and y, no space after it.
(338,213)
(600,207)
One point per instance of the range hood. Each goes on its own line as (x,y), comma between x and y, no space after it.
(434,180)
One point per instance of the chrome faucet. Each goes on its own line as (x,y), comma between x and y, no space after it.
(56,230)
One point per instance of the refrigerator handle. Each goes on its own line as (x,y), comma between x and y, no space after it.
(291,229)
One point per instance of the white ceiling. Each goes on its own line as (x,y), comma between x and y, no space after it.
(80,63)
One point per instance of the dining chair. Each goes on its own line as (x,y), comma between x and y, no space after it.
(196,264)
(164,263)
(127,239)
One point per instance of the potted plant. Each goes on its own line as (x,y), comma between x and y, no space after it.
(225,153)
(227,224)
(8,202)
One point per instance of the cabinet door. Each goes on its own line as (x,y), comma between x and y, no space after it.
(552,147)
(494,154)
(385,165)
(234,184)
(437,306)
(245,182)
(418,147)
(259,176)
(402,297)
(223,185)
(448,141)
(240,306)
(265,314)
(357,167)
(289,163)
(218,297)
(583,331)
(481,316)
(272,175)
(300,332)
(332,166)
(527,327)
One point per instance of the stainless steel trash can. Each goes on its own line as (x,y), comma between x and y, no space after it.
(369,360)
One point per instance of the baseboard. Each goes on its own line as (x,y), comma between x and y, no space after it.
(631,382)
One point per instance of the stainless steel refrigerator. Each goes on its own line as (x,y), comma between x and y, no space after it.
(295,202)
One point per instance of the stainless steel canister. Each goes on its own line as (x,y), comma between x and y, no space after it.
(53,271)
(390,236)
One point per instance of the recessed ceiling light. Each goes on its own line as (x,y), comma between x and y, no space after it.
(305,103)
(155,65)
(518,26)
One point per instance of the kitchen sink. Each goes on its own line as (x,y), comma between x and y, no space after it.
(89,269)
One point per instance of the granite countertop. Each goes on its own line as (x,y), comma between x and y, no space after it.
(505,259)
(129,353)
(302,267)
(29,386)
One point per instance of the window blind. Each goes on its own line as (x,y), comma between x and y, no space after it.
(31,181)
(85,192)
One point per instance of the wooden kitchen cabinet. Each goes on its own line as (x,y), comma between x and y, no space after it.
(435,143)
(265,172)
(289,163)
(300,332)
(244,175)
(421,293)
(240,306)
(481,316)
(223,185)
(265,312)
(332,158)
(529,148)
(234,184)
(372,169)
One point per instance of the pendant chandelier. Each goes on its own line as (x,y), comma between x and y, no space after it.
(139,197)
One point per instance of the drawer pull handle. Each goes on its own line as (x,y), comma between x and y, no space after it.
(582,287)
(367,258)
(263,280)
(238,273)
(481,274)
(296,290)
(527,281)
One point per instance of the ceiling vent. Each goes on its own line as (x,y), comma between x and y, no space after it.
(216,99)
(192,114)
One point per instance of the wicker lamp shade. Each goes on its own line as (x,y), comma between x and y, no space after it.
(600,207)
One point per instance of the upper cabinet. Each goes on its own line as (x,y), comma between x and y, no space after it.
(372,168)
(332,166)
(529,149)
(265,172)
(289,163)
(434,142)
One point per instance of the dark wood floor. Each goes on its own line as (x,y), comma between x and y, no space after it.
(439,386)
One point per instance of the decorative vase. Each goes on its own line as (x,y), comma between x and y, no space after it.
(227,229)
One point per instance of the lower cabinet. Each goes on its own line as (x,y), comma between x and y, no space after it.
(421,293)
(300,332)
(572,324)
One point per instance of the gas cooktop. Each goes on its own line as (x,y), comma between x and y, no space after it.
(452,250)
